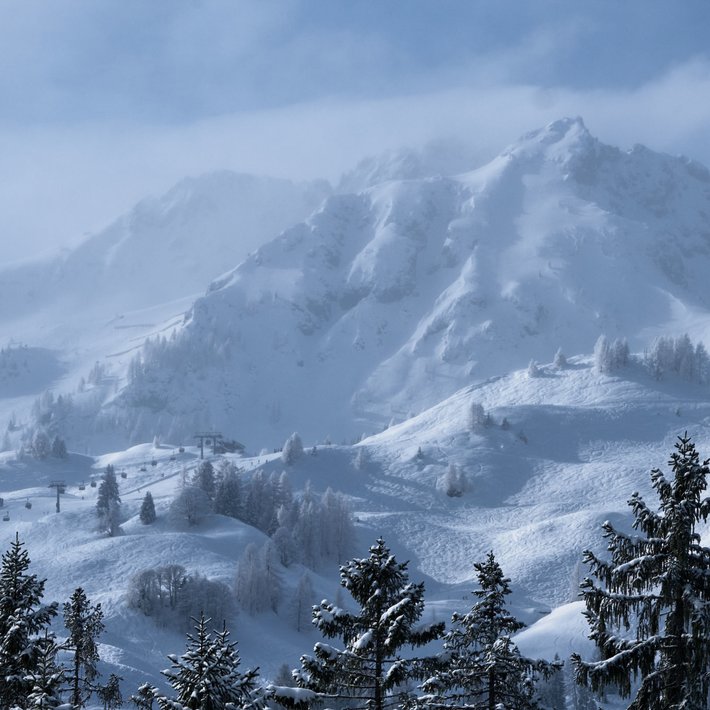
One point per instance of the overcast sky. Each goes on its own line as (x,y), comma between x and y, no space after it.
(106,101)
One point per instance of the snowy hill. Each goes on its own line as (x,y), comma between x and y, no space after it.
(100,300)
(388,300)
(576,445)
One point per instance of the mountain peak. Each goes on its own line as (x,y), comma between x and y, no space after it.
(562,141)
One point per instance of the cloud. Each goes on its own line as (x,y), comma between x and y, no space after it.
(104,103)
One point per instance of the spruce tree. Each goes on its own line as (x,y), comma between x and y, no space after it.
(207,675)
(367,671)
(649,613)
(147,513)
(108,502)
(204,478)
(22,618)
(481,667)
(84,622)
(46,678)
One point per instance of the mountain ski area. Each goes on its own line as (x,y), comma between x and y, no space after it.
(415,438)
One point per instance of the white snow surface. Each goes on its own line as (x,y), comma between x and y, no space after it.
(388,300)
(401,303)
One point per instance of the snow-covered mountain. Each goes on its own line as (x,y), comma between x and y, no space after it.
(406,297)
(101,299)
(387,300)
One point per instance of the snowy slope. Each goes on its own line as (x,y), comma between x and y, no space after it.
(579,443)
(100,300)
(388,300)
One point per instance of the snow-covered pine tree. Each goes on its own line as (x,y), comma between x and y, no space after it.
(110,694)
(655,587)
(480,666)
(560,361)
(84,622)
(147,512)
(22,618)
(368,670)
(207,675)
(292,449)
(108,502)
(46,678)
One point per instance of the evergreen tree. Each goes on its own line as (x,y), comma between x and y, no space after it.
(22,618)
(368,670)
(110,693)
(204,478)
(46,678)
(59,448)
(207,675)
(657,588)
(108,502)
(481,667)
(228,495)
(292,449)
(147,514)
(84,623)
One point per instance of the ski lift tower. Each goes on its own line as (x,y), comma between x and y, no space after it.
(208,437)
(61,487)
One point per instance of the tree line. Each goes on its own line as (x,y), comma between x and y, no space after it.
(648,608)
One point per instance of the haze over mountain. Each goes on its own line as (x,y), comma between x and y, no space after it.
(399,304)
(387,300)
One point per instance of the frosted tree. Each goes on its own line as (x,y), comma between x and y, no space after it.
(368,671)
(258,584)
(147,512)
(228,494)
(307,529)
(292,449)
(337,530)
(41,446)
(204,478)
(207,676)
(46,678)
(191,505)
(108,502)
(602,355)
(199,595)
(360,461)
(481,667)
(23,618)
(453,481)
(110,694)
(560,361)
(302,604)
(84,622)
(649,611)
(59,448)
(533,369)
